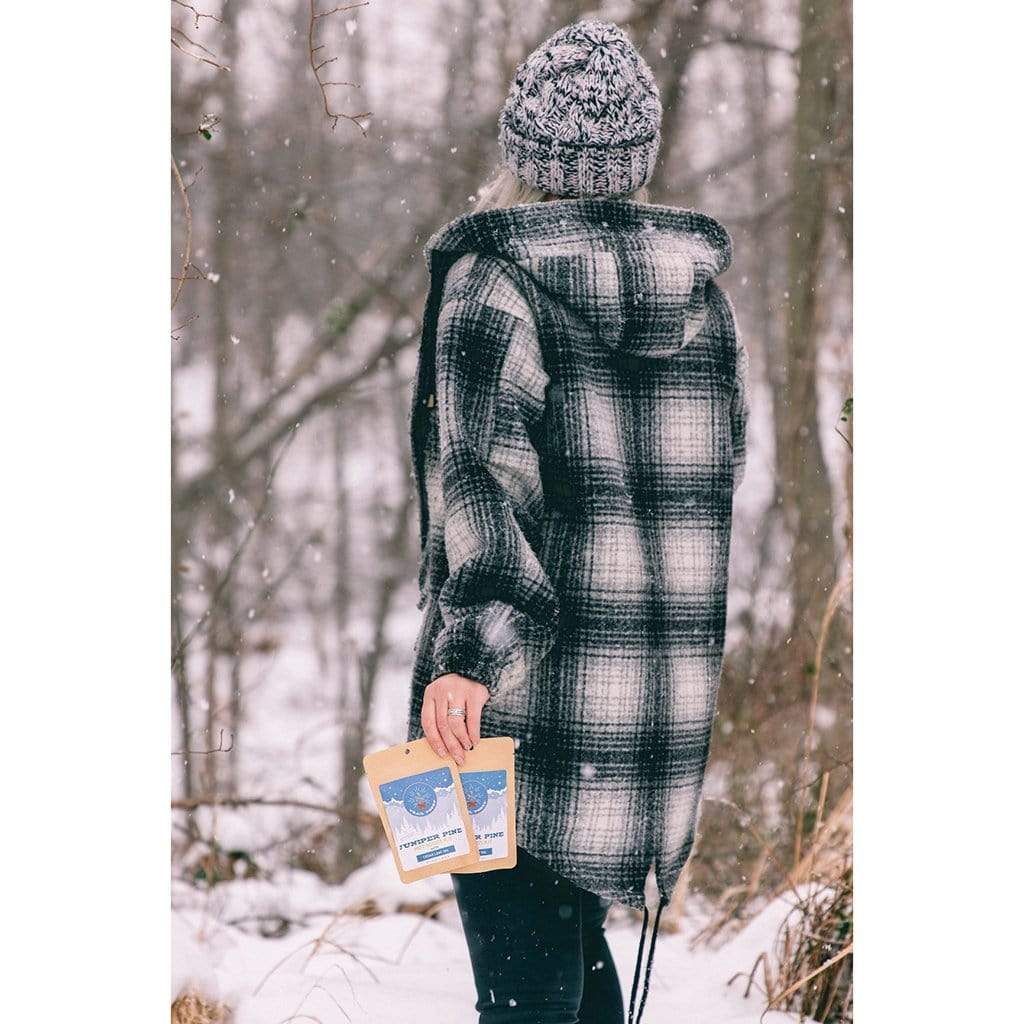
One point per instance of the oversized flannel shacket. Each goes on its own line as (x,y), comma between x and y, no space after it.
(578,431)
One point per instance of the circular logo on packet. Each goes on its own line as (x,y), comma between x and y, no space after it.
(419,799)
(476,796)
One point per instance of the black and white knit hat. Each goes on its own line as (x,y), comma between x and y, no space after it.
(583,116)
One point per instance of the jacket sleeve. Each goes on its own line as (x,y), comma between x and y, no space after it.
(739,409)
(498,606)
(740,413)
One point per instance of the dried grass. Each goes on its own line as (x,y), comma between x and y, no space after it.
(809,968)
(810,971)
(191,1008)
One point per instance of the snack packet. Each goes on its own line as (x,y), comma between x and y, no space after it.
(420,801)
(489,786)
(440,817)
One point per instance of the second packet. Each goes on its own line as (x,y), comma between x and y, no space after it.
(489,784)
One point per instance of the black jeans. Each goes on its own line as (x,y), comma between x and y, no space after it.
(537,945)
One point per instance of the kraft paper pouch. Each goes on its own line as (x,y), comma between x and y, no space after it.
(489,785)
(420,801)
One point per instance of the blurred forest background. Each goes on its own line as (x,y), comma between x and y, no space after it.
(315,149)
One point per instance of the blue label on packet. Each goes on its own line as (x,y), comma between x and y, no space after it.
(434,854)
(423,813)
(487,799)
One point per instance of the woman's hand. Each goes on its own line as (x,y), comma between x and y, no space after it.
(450,735)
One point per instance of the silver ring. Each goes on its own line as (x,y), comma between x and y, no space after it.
(456,712)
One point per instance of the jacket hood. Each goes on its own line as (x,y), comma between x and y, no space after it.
(635,272)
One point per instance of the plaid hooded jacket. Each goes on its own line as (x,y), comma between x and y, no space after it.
(578,431)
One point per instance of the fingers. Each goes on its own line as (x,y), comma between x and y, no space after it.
(451,735)
(455,748)
(456,724)
(428,719)
(474,705)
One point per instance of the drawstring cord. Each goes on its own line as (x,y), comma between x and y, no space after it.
(662,903)
(636,969)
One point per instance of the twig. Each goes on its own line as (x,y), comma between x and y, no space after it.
(211,60)
(176,331)
(338,10)
(193,802)
(186,259)
(198,14)
(195,275)
(246,448)
(332,115)
(236,557)
(219,749)
(729,38)
(314,943)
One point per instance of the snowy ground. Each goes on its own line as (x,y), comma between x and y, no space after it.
(335,965)
(400,966)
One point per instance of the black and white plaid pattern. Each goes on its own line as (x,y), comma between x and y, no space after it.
(578,430)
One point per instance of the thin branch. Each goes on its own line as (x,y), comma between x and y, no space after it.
(186,259)
(198,14)
(192,803)
(327,395)
(736,39)
(338,10)
(750,150)
(176,331)
(237,803)
(192,42)
(260,432)
(236,557)
(211,59)
(191,273)
(219,749)
(334,116)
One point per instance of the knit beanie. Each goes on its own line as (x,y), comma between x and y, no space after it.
(583,115)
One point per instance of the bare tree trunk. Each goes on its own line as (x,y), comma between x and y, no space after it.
(182,688)
(220,634)
(394,568)
(685,27)
(805,486)
(765,257)
(348,854)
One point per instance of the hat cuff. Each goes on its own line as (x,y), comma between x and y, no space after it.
(573,169)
